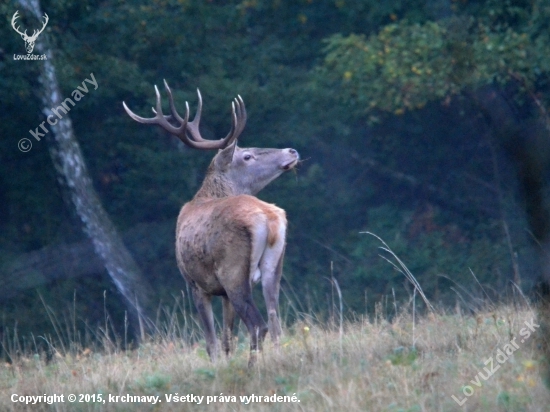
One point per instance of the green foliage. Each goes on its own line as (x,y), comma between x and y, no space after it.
(439,254)
(405,65)
(311,74)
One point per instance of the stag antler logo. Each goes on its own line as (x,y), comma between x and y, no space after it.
(29,40)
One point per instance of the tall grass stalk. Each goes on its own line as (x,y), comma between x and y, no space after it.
(365,365)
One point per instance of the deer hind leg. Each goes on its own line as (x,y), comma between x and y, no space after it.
(203,303)
(241,299)
(228,324)
(271,267)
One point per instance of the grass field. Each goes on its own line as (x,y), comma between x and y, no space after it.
(484,359)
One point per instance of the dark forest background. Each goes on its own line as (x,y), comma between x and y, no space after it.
(397,109)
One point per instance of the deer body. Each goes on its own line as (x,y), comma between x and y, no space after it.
(254,228)
(227,263)
(226,238)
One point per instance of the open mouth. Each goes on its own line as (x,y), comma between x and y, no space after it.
(290,165)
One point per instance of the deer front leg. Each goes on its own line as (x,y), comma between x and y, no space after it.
(203,303)
(228,324)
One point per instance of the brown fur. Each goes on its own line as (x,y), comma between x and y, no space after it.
(274,220)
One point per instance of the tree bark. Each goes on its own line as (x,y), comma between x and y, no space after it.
(71,168)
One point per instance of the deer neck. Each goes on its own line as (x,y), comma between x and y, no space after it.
(215,185)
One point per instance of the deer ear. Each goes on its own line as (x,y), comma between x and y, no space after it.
(225,156)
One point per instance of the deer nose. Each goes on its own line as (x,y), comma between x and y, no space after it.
(293,151)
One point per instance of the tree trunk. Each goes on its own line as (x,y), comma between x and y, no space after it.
(71,168)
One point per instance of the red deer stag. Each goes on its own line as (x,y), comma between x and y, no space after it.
(226,238)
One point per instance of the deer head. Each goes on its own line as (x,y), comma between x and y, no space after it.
(29,40)
(234,170)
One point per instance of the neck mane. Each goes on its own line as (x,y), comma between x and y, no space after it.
(215,185)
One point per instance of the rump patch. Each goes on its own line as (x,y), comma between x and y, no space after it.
(274,220)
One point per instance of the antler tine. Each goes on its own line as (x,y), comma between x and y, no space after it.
(241,113)
(238,117)
(231,135)
(175,114)
(46,20)
(193,127)
(238,121)
(162,120)
(13,19)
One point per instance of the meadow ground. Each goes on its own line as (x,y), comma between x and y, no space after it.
(488,360)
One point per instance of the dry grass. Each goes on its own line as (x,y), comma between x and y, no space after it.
(375,365)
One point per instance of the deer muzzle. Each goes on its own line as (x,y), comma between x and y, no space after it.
(294,158)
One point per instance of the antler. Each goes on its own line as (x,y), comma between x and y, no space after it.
(15,17)
(238,121)
(238,117)
(35,32)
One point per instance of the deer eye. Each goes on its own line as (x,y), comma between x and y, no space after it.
(247,157)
